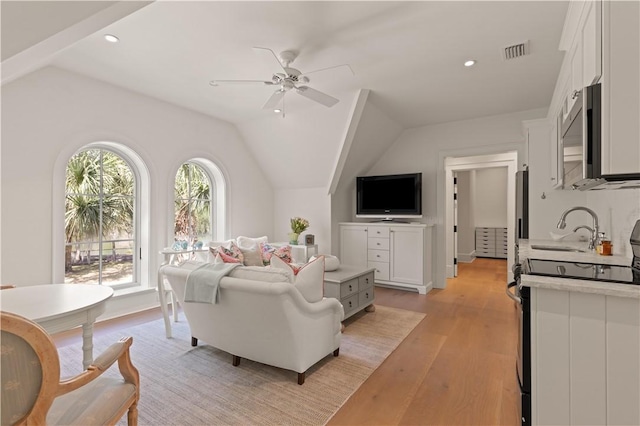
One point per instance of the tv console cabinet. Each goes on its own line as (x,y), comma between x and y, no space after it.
(399,253)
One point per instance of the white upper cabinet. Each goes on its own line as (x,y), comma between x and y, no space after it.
(621,87)
(591,38)
(583,41)
(602,44)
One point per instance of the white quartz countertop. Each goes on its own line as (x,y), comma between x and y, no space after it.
(526,251)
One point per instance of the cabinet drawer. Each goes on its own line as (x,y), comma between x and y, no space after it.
(365,297)
(378,232)
(485,231)
(485,252)
(348,288)
(382,270)
(378,255)
(485,244)
(378,244)
(350,304)
(365,281)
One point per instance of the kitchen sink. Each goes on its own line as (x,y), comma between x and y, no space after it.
(556,248)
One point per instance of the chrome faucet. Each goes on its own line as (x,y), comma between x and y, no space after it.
(593,240)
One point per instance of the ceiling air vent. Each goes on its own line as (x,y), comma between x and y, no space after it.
(515,50)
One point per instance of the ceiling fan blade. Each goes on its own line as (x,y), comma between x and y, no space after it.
(219,82)
(317,96)
(274,55)
(274,100)
(329,68)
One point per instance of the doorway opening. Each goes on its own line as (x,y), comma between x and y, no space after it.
(459,165)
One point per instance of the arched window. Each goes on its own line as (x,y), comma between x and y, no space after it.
(101,235)
(198,202)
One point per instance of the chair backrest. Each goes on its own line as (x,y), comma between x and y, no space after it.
(30,370)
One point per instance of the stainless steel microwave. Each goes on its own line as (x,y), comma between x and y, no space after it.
(581,149)
(581,139)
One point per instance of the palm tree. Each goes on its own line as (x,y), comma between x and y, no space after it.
(99,198)
(192,202)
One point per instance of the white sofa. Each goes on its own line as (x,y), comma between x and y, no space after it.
(267,322)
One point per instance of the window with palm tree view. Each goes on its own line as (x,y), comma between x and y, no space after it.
(193,213)
(99,219)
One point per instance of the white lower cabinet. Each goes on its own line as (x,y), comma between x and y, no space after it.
(353,245)
(585,358)
(400,253)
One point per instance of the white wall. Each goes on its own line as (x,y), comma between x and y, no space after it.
(298,150)
(490,208)
(424,148)
(313,204)
(51,113)
(376,132)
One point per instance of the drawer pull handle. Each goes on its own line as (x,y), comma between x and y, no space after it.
(350,288)
(377,270)
(367,295)
(350,304)
(366,280)
(378,243)
(377,255)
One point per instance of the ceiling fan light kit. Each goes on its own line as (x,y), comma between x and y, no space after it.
(287,81)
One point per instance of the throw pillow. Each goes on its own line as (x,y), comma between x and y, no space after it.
(309,280)
(226,258)
(278,264)
(248,243)
(267,251)
(232,251)
(252,257)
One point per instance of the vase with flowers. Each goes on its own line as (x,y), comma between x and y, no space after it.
(298,226)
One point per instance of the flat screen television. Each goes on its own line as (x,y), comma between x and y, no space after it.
(389,196)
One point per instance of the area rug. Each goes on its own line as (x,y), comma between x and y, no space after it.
(182,385)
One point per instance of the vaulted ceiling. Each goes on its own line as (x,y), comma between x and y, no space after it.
(409,55)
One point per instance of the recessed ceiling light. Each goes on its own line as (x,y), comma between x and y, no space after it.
(277,110)
(469,63)
(111,38)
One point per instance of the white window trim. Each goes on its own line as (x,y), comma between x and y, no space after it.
(141,215)
(218,197)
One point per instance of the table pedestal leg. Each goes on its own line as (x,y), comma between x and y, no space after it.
(162,295)
(87,344)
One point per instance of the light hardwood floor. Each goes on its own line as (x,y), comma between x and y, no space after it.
(457,367)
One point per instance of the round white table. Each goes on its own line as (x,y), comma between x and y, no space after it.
(60,307)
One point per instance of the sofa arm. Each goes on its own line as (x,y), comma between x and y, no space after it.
(324,305)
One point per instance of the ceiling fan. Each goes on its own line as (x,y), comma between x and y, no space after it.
(290,80)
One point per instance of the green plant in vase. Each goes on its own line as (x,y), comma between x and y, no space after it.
(298,226)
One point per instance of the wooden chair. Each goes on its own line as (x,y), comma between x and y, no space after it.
(32,392)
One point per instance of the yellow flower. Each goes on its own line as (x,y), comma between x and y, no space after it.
(299,225)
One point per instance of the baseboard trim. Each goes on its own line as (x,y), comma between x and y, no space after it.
(466,257)
(421,289)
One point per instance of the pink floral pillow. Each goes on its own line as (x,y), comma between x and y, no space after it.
(233,252)
(227,259)
(267,250)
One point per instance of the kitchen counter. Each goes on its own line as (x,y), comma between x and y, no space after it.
(575,285)
(587,256)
